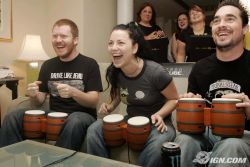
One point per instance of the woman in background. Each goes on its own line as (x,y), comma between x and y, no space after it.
(197,28)
(182,23)
(146,19)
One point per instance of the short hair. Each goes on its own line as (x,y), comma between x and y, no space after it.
(71,24)
(237,4)
(196,8)
(144,5)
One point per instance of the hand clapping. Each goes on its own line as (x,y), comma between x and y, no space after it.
(33,89)
(64,90)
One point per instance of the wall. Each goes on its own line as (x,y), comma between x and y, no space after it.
(99,18)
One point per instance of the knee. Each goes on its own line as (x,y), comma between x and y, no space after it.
(14,115)
(183,138)
(232,144)
(93,130)
(187,142)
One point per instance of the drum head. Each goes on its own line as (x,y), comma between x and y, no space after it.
(58,114)
(225,100)
(138,121)
(191,99)
(35,112)
(113,118)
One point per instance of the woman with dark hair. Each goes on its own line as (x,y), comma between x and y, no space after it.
(144,86)
(146,19)
(181,24)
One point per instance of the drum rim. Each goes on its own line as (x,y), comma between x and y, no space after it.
(171,145)
(36,112)
(121,118)
(59,114)
(131,124)
(191,99)
(225,100)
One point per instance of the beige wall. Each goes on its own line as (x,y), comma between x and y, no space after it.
(99,18)
(95,18)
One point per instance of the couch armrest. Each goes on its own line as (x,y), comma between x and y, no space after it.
(24,102)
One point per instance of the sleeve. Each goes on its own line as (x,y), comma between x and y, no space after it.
(157,28)
(192,82)
(182,36)
(43,87)
(161,78)
(94,82)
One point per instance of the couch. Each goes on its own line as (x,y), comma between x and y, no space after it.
(119,153)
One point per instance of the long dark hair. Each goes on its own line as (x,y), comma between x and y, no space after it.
(136,35)
(178,29)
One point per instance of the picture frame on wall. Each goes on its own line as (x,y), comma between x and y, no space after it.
(6,20)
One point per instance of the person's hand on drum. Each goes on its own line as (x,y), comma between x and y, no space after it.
(158,121)
(245,101)
(33,89)
(105,108)
(190,95)
(64,90)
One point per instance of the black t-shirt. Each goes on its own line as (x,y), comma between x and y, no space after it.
(212,78)
(82,73)
(197,46)
(149,30)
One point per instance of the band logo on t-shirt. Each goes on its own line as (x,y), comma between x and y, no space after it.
(222,87)
(66,75)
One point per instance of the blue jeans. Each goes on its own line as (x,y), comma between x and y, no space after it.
(150,155)
(221,147)
(71,136)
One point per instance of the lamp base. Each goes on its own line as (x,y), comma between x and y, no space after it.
(32,73)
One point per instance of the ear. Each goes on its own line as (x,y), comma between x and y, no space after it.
(76,40)
(135,48)
(245,29)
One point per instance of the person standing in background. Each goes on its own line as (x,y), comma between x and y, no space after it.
(197,28)
(146,19)
(182,23)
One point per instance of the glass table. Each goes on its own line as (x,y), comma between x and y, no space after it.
(29,153)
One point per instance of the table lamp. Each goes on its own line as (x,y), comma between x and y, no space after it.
(32,51)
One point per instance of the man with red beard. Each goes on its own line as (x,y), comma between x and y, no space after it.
(225,74)
(73,82)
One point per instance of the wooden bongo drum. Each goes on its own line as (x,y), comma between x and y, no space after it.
(55,121)
(113,127)
(226,119)
(138,130)
(190,115)
(32,127)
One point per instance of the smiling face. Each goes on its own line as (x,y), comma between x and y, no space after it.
(121,48)
(146,14)
(63,41)
(227,28)
(196,16)
(182,21)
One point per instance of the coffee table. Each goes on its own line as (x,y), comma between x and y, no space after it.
(29,153)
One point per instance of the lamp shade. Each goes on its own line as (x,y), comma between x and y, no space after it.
(32,49)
